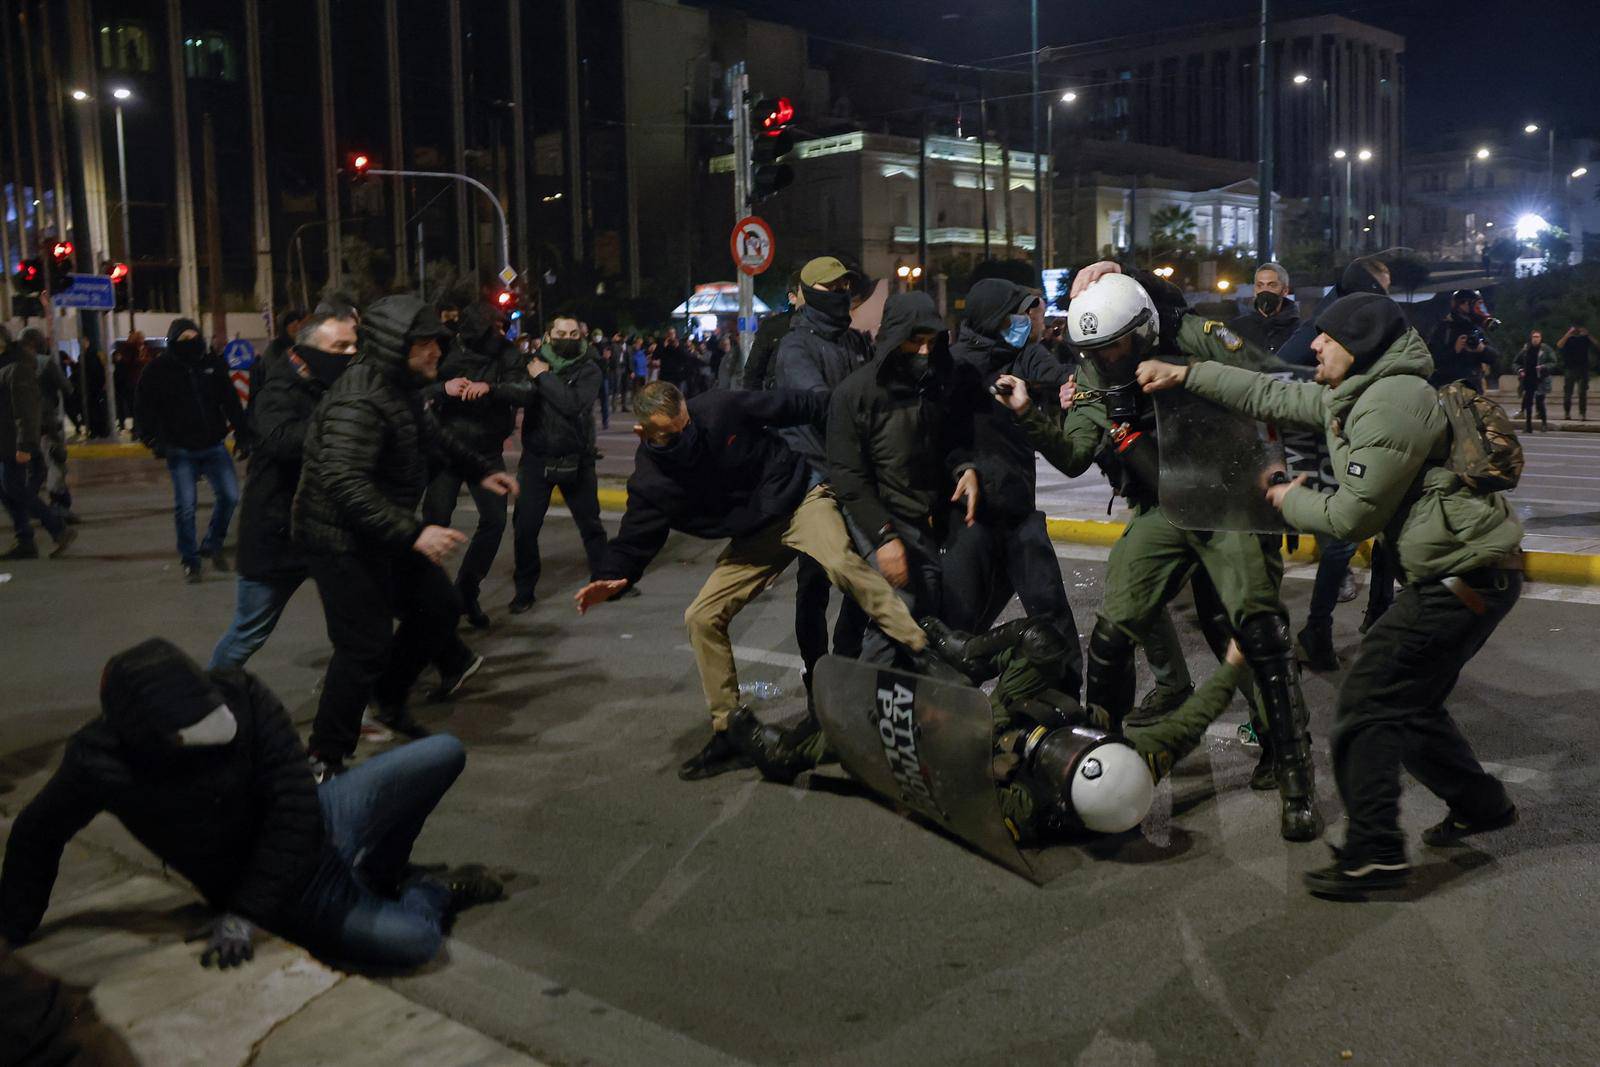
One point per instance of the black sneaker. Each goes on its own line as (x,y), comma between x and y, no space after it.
(1157,705)
(473,612)
(219,560)
(1449,831)
(324,769)
(522,604)
(1353,877)
(401,721)
(450,684)
(22,551)
(472,884)
(69,534)
(719,756)
(191,572)
(1313,646)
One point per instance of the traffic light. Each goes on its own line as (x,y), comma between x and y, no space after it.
(60,266)
(29,277)
(360,163)
(506,301)
(118,273)
(769,121)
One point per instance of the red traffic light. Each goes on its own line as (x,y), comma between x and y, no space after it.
(61,250)
(360,163)
(505,299)
(116,272)
(27,270)
(779,113)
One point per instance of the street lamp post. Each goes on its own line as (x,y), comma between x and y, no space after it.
(121,94)
(1365,156)
(1067,97)
(1550,177)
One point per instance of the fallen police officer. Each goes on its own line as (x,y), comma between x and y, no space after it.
(204,768)
(1058,769)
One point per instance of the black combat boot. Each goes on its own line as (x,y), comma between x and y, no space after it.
(774,751)
(1314,647)
(1266,645)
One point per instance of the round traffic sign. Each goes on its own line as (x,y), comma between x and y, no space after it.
(752,245)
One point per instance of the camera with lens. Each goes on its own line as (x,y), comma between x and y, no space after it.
(1476,338)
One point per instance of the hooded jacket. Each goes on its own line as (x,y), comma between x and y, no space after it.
(19,401)
(481,354)
(279,418)
(187,403)
(816,355)
(999,448)
(240,821)
(54,387)
(729,475)
(1389,441)
(558,407)
(892,448)
(368,446)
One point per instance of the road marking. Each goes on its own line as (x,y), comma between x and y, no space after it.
(762,655)
(677,881)
(1229,731)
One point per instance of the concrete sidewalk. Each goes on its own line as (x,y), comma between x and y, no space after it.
(118,931)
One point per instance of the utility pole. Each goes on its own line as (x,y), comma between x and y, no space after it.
(16,143)
(574,132)
(458,140)
(188,260)
(1038,183)
(33,129)
(397,148)
(1265,98)
(983,164)
(519,130)
(261,216)
(330,142)
(922,200)
(208,171)
(52,95)
(739,95)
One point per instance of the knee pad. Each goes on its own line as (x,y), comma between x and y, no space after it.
(1042,641)
(1110,668)
(1264,637)
(1109,644)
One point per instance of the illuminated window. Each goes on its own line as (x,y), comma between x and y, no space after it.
(210,57)
(125,47)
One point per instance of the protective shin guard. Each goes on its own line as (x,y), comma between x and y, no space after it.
(1265,639)
(1111,679)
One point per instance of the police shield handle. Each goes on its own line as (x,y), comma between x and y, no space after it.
(437,542)
(596,593)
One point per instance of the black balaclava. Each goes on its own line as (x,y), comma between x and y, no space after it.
(325,366)
(149,693)
(189,351)
(1366,324)
(834,307)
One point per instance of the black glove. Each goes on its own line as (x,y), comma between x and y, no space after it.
(227,942)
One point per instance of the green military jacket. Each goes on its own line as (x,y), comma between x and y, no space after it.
(1388,440)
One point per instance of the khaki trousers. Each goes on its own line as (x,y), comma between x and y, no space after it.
(750,564)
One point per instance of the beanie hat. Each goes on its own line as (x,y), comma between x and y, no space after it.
(1366,324)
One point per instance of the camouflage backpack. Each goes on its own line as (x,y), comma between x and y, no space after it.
(1484,450)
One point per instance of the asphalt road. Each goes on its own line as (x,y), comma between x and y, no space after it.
(659,922)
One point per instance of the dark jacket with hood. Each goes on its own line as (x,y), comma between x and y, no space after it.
(1004,458)
(54,387)
(481,354)
(241,820)
(19,400)
(1269,332)
(558,406)
(819,351)
(728,475)
(892,448)
(279,418)
(368,447)
(186,399)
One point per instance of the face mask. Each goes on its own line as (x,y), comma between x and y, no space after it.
(1018,329)
(567,349)
(1268,303)
(681,450)
(324,366)
(190,350)
(217,728)
(835,307)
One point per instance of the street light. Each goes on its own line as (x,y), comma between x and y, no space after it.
(1223,285)
(1068,97)
(121,94)
(1580,172)
(79,95)
(1365,156)
(1532,127)
(1301,79)
(1482,153)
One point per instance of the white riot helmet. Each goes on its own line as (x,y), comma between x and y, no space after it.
(1112,307)
(1111,786)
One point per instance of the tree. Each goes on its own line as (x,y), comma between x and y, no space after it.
(1501,256)
(1171,227)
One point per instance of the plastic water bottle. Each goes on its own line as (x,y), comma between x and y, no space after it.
(761,690)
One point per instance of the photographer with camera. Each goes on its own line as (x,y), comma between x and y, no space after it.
(1577,355)
(1460,342)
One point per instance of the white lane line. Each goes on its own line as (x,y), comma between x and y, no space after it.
(1229,731)
(762,655)
(679,880)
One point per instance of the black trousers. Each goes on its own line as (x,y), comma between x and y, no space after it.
(811,617)
(986,562)
(582,494)
(1577,381)
(439,503)
(1528,402)
(362,596)
(1391,711)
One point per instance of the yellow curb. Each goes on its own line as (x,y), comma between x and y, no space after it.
(106,451)
(1567,568)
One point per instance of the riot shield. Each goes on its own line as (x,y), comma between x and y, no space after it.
(1215,466)
(921,742)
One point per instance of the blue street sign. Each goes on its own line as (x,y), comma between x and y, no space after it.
(88,292)
(240,354)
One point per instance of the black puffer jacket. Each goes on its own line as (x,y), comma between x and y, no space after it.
(1268,332)
(729,475)
(279,418)
(187,404)
(558,409)
(241,821)
(895,442)
(481,354)
(368,447)
(816,355)
(998,447)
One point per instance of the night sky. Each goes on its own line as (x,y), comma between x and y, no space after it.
(1470,63)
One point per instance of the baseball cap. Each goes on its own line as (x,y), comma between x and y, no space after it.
(823,270)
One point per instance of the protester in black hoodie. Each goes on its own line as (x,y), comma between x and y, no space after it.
(712,467)
(355,513)
(1008,548)
(186,404)
(204,768)
(474,399)
(271,566)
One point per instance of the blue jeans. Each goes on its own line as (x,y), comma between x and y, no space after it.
(256,610)
(362,905)
(1331,569)
(187,466)
(19,492)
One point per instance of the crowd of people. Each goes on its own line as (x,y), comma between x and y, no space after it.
(897,469)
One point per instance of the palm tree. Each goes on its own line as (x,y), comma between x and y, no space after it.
(1171,227)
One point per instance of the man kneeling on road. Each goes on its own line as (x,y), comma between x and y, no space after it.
(712,467)
(204,768)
